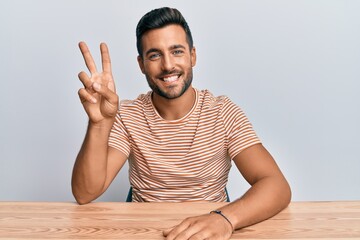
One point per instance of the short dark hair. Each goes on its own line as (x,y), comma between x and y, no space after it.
(159,18)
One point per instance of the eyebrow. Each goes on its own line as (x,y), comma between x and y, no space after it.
(175,46)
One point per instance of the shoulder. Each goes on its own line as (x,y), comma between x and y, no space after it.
(210,100)
(222,105)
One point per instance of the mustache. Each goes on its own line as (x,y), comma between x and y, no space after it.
(166,73)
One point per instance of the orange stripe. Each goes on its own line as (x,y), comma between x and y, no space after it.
(182,160)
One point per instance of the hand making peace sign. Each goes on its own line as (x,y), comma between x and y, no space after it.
(98,96)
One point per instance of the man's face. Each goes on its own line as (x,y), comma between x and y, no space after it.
(167,61)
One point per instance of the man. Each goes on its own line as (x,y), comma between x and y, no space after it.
(179,140)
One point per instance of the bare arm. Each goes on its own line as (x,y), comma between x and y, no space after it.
(268,195)
(96,164)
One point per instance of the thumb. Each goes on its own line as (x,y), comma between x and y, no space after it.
(105,92)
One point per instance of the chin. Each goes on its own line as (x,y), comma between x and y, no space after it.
(170,94)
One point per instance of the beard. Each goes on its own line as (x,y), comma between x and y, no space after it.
(171,92)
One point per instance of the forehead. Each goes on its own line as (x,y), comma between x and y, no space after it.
(163,38)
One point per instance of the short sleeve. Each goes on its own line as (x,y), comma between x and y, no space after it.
(240,132)
(119,138)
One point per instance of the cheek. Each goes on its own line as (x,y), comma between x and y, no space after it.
(188,62)
(151,69)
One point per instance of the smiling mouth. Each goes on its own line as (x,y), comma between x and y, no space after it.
(170,78)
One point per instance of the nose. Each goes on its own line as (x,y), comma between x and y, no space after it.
(167,62)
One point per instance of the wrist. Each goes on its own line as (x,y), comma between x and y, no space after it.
(107,123)
(223,216)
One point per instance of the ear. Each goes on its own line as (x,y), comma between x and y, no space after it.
(193,56)
(141,64)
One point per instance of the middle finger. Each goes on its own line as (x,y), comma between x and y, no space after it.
(105,58)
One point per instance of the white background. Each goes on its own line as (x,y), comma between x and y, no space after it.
(292,66)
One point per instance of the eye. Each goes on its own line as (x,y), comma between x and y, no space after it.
(154,56)
(178,52)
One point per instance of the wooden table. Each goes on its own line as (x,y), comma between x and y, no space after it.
(48,220)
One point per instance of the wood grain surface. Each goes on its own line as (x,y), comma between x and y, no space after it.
(104,220)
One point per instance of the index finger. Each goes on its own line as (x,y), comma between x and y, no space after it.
(105,58)
(89,61)
(175,231)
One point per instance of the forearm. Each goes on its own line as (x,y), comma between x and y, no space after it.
(89,174)
(263,200)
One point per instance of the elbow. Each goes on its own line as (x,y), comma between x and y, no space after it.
(81,199)
(83,194)
(282,193)
(287,194)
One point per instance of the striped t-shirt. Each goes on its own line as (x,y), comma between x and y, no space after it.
(188,159)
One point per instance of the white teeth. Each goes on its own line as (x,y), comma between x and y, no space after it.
(171,79)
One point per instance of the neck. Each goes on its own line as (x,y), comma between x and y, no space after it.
(173,109)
